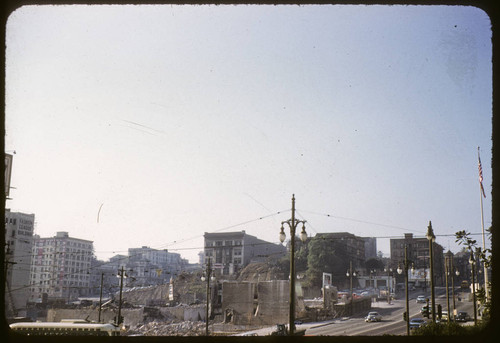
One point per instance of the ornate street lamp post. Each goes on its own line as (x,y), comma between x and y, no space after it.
(350,273)
(457,273)
(431,238)
(389,271)
(292,223)
(399,270)
(472,262)
(208,277)
(447,273)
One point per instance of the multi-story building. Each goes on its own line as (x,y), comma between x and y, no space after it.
(419,258)
(19,242)
(60,268)
(153,267)
(370,247)
(348,245)
(231,251)
(103,275)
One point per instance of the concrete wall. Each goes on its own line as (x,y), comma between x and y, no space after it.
(238,302)
(262,303)
(273,302)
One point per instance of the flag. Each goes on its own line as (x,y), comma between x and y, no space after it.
(480,175)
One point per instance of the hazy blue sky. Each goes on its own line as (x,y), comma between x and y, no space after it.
(180,120)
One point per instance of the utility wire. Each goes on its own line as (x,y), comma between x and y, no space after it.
(362,221)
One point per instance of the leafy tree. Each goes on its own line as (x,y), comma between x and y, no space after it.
(301,252)
(324,256)
(374,264)
(484,255)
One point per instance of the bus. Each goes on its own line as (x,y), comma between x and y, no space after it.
(464,284)
(65,328)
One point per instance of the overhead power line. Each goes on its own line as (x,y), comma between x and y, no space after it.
(363,221)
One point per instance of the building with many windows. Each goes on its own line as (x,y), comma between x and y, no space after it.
(60,268)
(349,247)
(18,245)
(231,251)
(419,258)
(153,267)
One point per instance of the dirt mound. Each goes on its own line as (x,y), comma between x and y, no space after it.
(260,271)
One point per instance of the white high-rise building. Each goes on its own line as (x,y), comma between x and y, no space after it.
(60,268)
(19,241)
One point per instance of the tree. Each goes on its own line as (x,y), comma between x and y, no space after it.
(301,252)
(325,256)
(374,264)
(484,255)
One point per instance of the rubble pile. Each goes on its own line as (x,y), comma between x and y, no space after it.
(156,328)
(259,271)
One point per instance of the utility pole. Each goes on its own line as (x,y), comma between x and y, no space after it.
(121,274)
(100,299)
(7,282)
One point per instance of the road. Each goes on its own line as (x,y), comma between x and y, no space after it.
(391,324)
(392,314)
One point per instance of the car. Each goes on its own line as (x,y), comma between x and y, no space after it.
(462,316)
(373,317)
(416,323)
(421,299)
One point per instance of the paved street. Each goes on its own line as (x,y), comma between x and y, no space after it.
(392,322)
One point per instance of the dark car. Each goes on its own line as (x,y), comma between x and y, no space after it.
(416,323)
(462,316)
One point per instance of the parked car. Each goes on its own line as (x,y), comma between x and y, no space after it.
(373,317)
(462,316)
(416,323)
(421,299)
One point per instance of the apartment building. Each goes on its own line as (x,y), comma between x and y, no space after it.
(153,267)
(419,258)
(19,241)
(60,268)
(231,251)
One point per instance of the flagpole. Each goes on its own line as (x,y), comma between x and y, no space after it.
(481,194)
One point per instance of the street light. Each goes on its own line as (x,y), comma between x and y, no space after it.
(292,223)
(447,272)
(431,238)
(350,273)
(472,262)
(399,270)
(208,277)
(457,273)
(389,271)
